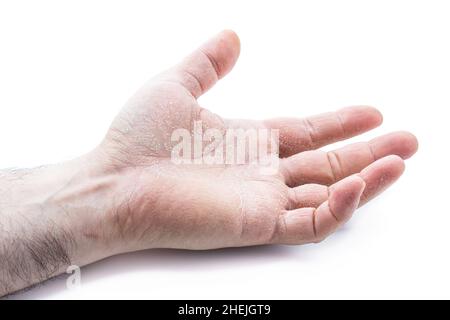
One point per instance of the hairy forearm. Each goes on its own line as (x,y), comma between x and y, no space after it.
(48,222)
(33,247)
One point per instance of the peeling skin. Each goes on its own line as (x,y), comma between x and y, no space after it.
(210,206)
(128,194)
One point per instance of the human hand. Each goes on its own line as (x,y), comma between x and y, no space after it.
(204,206)
(129,194)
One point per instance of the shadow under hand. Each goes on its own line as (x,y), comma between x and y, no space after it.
(180,260)
(165,259)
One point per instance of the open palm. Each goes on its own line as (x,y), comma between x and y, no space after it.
(204,206)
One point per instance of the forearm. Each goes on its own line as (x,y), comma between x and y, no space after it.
(48,221)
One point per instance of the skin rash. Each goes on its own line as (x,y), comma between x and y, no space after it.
(128,195)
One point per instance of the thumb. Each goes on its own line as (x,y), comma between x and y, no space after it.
(200,70)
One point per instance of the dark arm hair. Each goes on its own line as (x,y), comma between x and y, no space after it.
(32,249)
(34,244)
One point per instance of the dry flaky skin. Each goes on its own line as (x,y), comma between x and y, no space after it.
(128,195)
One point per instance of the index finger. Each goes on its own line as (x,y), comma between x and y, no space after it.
(298,135)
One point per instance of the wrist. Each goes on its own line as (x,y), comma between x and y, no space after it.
(69,201)
(86,203)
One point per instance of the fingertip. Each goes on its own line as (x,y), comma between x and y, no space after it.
(224,50)
(380,175)
(355,184)
(345,195)
(396,162)
(376,115)
(411,144)
(407,143)
(401,143)
(232,38)
(358,119)
(391,166)
(352,183)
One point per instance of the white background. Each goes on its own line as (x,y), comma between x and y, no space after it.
(67,67)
